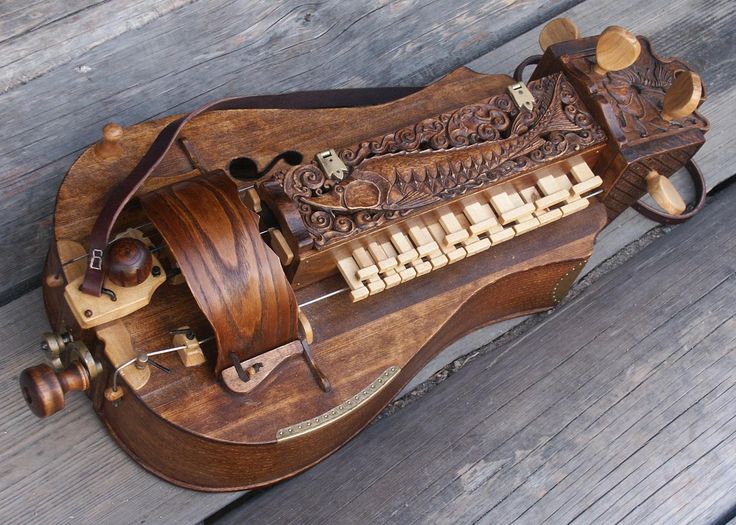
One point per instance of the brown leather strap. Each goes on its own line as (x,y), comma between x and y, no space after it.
(122,193)
(528,61)
(235,278)
(665,218)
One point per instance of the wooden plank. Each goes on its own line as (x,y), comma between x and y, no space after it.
(207,50)
(67,468)
(620,406)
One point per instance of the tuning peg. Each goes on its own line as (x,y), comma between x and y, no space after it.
(558,30)
(617,49)
(683,96)
(109,147)
(664,193)
(44,389)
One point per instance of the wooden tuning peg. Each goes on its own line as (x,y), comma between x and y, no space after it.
(109,147)
(617,49)
(683,96)
(44,389)
(664,193)
(129,261)
(558,30)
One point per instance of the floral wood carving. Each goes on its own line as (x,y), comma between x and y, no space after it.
(441,158)
(636,93)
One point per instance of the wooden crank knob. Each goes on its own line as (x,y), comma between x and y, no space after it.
(109,147)
(617,49)
(665,194)
(558,30)
(44,390)
(683,96)
(129,262)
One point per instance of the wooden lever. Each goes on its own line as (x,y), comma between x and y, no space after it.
(44,389)
(664,193)
(558,30)
(617,49)
(683,96)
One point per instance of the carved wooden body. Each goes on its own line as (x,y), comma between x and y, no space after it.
(274,368)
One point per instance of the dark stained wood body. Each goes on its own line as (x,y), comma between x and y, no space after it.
(187,428)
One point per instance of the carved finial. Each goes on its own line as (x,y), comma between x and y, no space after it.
(109,147)
(664,193)
(44,389)
(617,49)
(683,96)
(558,30)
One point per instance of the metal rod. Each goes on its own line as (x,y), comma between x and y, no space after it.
(323,297)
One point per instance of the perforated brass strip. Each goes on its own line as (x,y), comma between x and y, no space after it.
(340,410)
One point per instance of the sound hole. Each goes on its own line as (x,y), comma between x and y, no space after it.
(245,168)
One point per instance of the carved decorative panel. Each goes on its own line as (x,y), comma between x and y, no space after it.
(440,158)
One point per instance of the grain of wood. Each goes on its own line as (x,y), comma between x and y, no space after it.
(628,416)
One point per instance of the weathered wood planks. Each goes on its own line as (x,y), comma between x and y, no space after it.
(620,406)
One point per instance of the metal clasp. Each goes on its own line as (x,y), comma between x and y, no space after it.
(331,164)
(521,95)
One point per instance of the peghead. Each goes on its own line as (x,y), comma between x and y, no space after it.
(665,194)
(558,30)
(109,147)
(683,96)
(617,49)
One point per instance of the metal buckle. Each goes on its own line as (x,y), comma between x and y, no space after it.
(331,164)
(521,95)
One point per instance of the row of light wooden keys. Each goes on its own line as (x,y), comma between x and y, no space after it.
(469,226)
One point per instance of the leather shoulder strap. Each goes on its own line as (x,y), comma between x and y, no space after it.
(666,218)
(235,278)
(123,192)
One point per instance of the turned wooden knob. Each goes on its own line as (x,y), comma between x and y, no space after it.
(665,194)
(44,390)
(129,261)
(683,96)
(558,30)
(109,147)
(617,49)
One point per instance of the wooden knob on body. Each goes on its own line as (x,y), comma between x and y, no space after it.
(558,30)
(129,262)
(665,194)
(683,96)
(109,147)
(44,390)
(617,49)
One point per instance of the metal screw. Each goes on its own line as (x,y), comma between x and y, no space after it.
(88,313)
(156,271)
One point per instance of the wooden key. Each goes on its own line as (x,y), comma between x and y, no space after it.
(585,179)
(425,244)
(405,250)
(480,216)
(406,274)
(508,210)
(375,285)
(455,232)
(452,252)
(543,214)
(365,262)
(383,260)
(391,278)
(473,244)
(349,270)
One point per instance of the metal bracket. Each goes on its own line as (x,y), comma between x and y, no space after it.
(331,164)
(521,95)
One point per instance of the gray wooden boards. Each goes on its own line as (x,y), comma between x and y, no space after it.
(69,79)
(620,406)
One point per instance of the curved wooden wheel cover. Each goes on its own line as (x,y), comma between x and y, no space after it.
(234,276)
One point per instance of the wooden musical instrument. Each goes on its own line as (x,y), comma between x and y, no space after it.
(242,292)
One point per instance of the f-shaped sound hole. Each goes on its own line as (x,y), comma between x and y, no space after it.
(245,168)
